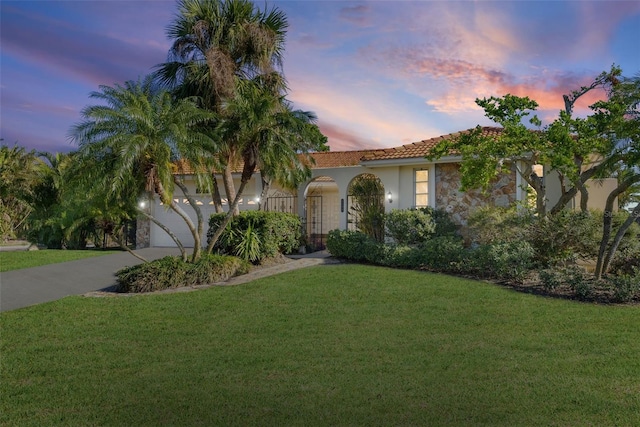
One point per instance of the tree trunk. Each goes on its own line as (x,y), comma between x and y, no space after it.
(229,188)
(584,197)
(618,238)
(118,239)
(247,173)
(215,194)
(566,197)
(266,185)
(536,182)
(607,224)
(197,232)
(166,229)
(226,219)
(177,209)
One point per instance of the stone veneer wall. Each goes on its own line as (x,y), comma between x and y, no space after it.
(143,233)
(460,204)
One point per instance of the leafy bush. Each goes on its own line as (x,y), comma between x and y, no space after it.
(367,205)
(551,279)
(628,255)
(255,235)
(489,225)
(355,246)
(172,272)
(402,256)
(409,226)
(445,254)
(444,224)
(626,287)
(556,239)
(566,236)
(505,261)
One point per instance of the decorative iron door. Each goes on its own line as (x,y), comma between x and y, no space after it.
(288,204)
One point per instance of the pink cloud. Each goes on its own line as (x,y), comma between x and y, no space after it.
(341,139)
(547,91)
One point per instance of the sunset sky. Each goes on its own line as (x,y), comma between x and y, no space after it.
(377,73)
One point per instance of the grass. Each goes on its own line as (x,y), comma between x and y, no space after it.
(332,345)
(15,260)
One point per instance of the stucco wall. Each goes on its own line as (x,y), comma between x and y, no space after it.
(460,204)
(598,190)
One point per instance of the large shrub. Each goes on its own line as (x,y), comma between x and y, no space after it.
(355,246)
(511,261)
(489,225)
(557,239)
(255,235)
(444,225)
(445,254)
(172,272)
(566,236)
(402,256)
(367,205)
(409,226)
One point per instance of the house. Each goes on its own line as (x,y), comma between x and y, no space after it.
(408,178)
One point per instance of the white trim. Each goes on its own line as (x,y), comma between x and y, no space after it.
(417,161)
(432,185)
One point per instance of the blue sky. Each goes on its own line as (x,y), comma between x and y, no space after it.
(377,73)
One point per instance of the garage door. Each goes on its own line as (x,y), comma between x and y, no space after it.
(176,224)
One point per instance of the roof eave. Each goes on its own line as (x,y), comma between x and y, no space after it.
(408,161)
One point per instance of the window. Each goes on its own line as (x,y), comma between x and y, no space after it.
(421,179)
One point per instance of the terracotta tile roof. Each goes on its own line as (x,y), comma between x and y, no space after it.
(421,148)
(336,159)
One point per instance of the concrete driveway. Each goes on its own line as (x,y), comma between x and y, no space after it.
(29,286)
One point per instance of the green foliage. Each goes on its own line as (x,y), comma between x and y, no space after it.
(571,277)
(355,246)
(628,254)
(443,222)
(18,179)
(131,141)
(556,239)
(510,261)
(409,226)
(402,256)
(494,224)
(626,287)
(248,248)
(367,206)
(257,234)
(565,236)
(550,279)
(172,272)
(445,253)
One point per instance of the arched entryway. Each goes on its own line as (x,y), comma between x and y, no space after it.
(365,205)
(321,210)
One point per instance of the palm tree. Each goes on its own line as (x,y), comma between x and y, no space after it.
(216,44)
(136,139)
(284,154)
(270,135)
(18,179)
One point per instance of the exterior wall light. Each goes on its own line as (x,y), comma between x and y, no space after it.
(390,197)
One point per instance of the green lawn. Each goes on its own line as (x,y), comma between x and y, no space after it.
(336,345)
(15,260)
